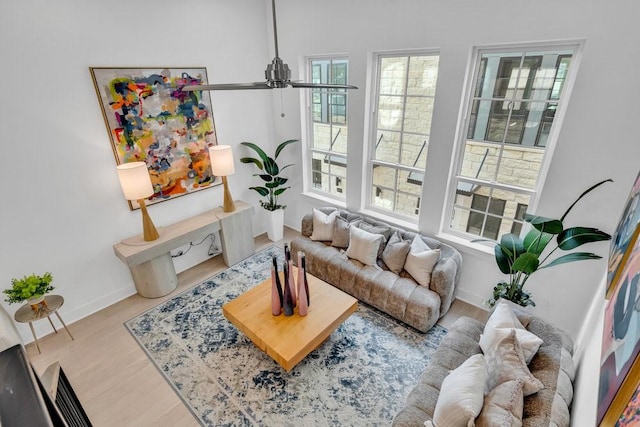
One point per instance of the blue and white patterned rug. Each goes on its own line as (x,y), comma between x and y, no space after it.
(360,375)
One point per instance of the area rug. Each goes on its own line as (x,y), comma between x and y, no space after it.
(360,375)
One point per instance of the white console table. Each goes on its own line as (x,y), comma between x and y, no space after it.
(151,265)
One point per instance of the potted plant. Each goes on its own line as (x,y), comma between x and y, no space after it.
(30,288)
(520,258)
(273,185)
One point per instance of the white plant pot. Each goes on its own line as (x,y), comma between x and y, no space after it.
(275,225)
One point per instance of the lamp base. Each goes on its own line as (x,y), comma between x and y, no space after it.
(149,230)
(228,205)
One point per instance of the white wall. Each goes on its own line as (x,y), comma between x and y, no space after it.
(597,139)
(62,208)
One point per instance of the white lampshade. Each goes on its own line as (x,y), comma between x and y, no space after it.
(221,160)
(135,180)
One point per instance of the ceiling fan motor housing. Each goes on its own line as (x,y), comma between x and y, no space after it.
(277,73)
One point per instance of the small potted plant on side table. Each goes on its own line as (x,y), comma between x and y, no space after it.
(30,288)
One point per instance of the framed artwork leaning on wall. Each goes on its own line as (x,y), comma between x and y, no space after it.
(150,119)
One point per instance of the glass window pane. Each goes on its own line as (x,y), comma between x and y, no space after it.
(418,112)
(338,185)
(497,121)
(520,166)
(480,160)
(414,151)
(502,74)
(339,73)
(387,146)
(339,139)
(390,112)
(407,204)
(384,177)
(423,75)
(393,74)
(321,136)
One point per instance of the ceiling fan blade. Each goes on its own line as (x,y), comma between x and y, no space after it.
(227,86)
(322,85)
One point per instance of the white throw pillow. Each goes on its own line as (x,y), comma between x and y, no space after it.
(363,245)
(461,394)
(503,318)
(421,260)
(323,225)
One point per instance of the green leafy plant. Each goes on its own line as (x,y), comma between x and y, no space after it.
(269,174)
(28,287)
(520,258)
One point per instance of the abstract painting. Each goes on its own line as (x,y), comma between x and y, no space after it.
(150,119)
(620,365)
(631,414)
(624,236)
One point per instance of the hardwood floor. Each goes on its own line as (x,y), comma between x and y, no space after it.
(113,377)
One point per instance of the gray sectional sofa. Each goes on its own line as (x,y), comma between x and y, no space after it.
(552,365)
(398,295)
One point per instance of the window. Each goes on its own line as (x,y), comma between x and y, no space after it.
(403,106)
(511,111)
(482,218)
(327,126)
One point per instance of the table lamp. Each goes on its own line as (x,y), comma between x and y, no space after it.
(136,185)
(222,165)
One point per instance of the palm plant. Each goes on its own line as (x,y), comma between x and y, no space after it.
(269,174)
(520,258)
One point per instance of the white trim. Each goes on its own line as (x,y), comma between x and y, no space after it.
(306,123)
(370,133)
(325,197)
(577,47)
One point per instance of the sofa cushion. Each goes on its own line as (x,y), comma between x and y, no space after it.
(462,393)
(503,318)
(505,362)
(395,253)
(364,246)
(421,260)
(503,406)
(323,225)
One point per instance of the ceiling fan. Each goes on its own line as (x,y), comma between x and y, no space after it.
(278,74)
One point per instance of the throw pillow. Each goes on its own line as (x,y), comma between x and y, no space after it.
(323,225)
(395,253)
(503,406)
(505,362)
(383,230)
(421,260)
(363,246)
(340,233)
(461,394)
(504,318)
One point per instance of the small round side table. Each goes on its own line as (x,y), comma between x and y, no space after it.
(30,313)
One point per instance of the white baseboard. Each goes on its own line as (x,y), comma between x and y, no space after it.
(43,328)
(471,298)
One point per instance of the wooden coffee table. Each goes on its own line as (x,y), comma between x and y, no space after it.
(289,339)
